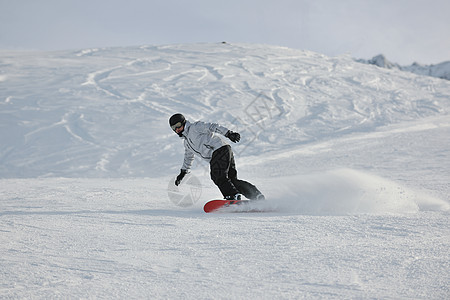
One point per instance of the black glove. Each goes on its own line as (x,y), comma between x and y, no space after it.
(233,136)
(180,177)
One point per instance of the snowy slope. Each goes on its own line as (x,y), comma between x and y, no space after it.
(103,112)
(354,160)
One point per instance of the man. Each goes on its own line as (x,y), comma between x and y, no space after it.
(202,139)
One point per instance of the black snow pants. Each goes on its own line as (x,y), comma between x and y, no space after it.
(224,175)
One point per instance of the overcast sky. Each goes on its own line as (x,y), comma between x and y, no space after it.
(404,30)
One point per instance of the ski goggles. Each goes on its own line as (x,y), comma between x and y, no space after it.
(176,126)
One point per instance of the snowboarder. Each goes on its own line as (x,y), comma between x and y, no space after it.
(202,139)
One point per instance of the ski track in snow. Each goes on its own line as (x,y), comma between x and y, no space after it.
(353,159)
(122,238)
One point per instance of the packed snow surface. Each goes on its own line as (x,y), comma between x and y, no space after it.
(352,158)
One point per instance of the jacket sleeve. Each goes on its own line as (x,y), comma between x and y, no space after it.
(212,127)
(188,160)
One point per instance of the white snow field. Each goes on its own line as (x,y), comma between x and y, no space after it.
(353,159)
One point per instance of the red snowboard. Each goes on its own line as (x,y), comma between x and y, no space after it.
(214,205)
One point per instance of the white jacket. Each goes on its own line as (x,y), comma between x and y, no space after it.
(201,139)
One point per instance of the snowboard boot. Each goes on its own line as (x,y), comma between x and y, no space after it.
(260,197)
(235,197)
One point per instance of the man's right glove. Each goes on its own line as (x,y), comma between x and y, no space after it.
(233,136)
(180,177)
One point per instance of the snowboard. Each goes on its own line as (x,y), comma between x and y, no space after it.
(232,206)
(213,205)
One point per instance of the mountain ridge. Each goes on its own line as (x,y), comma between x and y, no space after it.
(441,70)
